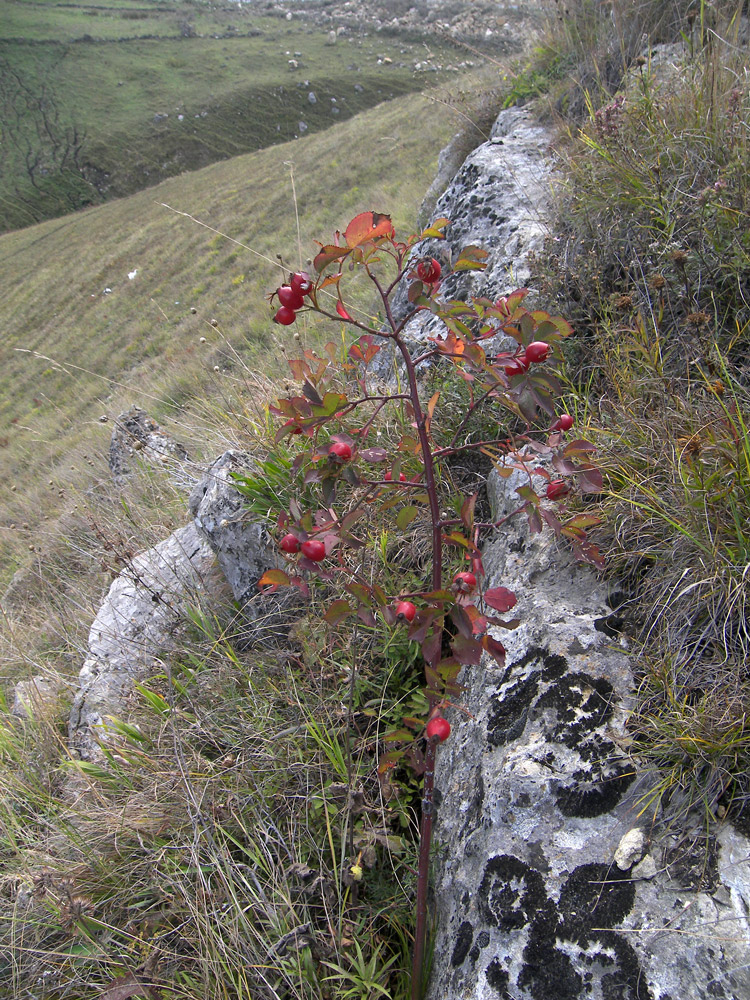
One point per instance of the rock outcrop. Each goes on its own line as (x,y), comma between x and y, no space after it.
(136,624)
(138,436)
(552,878)
(216,560)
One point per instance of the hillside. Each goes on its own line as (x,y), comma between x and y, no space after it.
(99,101)
(82,340)
(215,796)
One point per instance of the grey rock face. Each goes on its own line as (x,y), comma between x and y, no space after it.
(137,622)
(136,434)
(539,824)
(550,881)
(243,548)
(497,200)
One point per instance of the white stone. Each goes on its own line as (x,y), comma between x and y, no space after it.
(630,849)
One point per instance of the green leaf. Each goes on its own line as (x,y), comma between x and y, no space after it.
(159,704)
(405,516)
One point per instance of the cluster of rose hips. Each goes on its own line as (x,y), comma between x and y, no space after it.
(313,548)
(534,354)
(292,297)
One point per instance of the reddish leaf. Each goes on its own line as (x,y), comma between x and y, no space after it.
(300,369)
(367,226)
(467,651)
(415,292)
(301,585)
(366,617)
(415,759)
(341,310)
(562,465)
(500,598)
(337,612)
(431,648)
(362,592)
(312,394)
(494,648)
(274,578)
(374,455)
(463,621)
(590,481)
(328,255)
(579,447)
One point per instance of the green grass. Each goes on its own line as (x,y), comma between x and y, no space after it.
(122,83)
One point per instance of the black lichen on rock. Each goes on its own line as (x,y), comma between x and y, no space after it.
(464,940)
(510,894)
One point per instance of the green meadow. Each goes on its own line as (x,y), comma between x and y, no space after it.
(101,101)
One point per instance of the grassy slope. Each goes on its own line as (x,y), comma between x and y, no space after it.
(123,81)
(140,343)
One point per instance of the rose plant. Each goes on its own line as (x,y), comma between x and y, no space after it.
(341,468)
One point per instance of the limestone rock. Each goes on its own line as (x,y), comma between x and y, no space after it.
(536,799)
(243,548)
(135,624)
(631,848)
(540,883)
(498,200)
(136,434)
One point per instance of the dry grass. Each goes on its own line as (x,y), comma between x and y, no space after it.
(651,259)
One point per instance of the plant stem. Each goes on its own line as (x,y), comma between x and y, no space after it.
(423,871)
(429,464)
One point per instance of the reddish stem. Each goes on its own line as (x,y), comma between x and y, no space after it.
(423,871)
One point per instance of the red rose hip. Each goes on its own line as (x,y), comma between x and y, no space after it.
(465,581)
(285,316)
(314,549)
(429,271)
(389,476)
(564,423)
(290,297)
(407,610)
(537,351)
(301,282)
(290,544)
(340,450)
(438,729)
